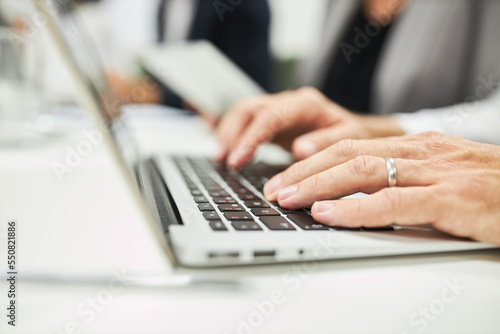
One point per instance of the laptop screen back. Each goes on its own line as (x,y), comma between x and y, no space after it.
(82,59)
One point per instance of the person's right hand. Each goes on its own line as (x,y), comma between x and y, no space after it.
(133,91)
(303,121)
(446,181)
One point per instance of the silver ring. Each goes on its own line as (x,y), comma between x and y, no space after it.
(391,171)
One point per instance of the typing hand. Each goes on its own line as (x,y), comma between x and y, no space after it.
(447,181)
(303,121)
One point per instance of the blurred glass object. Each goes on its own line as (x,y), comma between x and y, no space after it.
(21,122)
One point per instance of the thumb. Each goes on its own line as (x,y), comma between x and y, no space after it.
(315,141)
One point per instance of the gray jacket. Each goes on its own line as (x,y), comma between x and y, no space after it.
(438,53)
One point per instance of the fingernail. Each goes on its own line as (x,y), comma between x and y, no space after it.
(272,186)
(221,152)
(322,207)
(287,192)
(307,147)
(234,158)
(240,156)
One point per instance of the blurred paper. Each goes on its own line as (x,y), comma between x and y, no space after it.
(200,74)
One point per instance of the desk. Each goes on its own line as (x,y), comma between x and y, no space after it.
(88,226)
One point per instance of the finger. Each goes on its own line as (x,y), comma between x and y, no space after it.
(415,137)
(366,174)
(401,206)
(337,154)
(232,126)
(309,144)
(265,125)
(257,132)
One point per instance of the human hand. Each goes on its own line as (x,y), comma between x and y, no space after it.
(138,91)
(447,181)
(303,121)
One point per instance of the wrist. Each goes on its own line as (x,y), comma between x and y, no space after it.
(381,126)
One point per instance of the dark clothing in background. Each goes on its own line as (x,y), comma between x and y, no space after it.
(242,34)
(2,23)
(349,78)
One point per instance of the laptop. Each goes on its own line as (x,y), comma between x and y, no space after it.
(205,215)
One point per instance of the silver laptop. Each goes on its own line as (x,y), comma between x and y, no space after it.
(205,215)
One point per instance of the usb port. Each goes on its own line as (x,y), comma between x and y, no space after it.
(223,255)
(264,253)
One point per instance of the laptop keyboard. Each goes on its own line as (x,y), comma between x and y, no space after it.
(231,200)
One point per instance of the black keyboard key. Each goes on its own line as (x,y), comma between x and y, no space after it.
(200,199)
(350,229)
(379,229)
(241,190)
(205,207)
(218,193)
(277,223)
(265,212)
(257,204)
(294,211)
(307,222)
(196,192)
(259,187)
(210,184)
(188,182)
(238,216)
(246,226)
(211,215)
(218,225)
(231,207)
(248,197)
(225,200)
(234,184)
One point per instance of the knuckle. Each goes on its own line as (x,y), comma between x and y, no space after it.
(294,172)
(315,184)
(437,142)
(307,90)
(310,93)
(392,198)
(238,108)
(362,166)
(431,134)
(357,208)
(433,144)
(344,148)
(244,106)
(442,165)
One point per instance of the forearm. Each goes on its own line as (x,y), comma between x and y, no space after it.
(382,126)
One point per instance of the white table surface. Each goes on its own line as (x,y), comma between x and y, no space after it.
(88,227)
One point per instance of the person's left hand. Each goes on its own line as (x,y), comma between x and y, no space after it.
(303,121)
(447,181)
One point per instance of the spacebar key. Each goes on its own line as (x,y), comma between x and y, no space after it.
(238,216)
(307,222)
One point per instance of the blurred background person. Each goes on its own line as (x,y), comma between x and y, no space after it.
(2,23)
(400,56)
(241,31)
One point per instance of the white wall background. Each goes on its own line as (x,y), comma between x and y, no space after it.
(297,26)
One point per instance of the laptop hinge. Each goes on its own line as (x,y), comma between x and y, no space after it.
(165,205)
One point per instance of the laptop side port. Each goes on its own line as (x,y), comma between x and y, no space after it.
(260,254)
(223,255)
